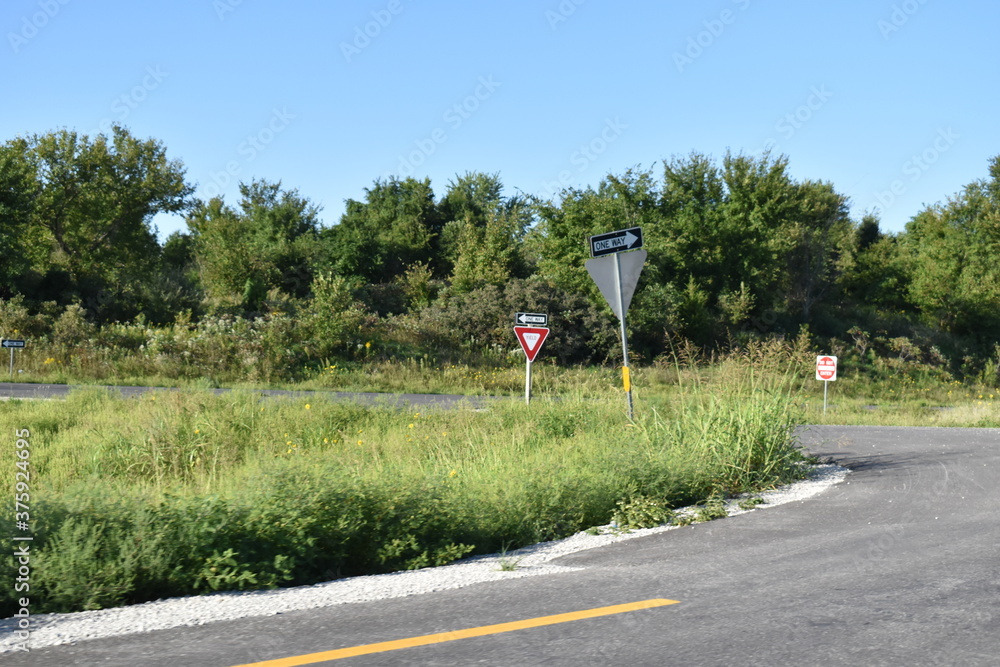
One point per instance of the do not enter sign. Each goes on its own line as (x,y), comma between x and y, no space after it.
(826,368)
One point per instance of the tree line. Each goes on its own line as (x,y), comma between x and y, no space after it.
(738,250)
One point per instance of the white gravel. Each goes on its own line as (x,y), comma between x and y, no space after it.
(53,629)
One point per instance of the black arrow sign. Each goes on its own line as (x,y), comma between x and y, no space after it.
(612,242)
(531,319)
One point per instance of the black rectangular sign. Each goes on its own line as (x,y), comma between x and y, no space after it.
(531,319)
(612,242)
(12,343)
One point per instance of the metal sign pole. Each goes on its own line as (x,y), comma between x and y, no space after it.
(12,362)
(626,375)
(527,382)
(826,384)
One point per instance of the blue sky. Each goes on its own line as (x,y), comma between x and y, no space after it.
(894,102)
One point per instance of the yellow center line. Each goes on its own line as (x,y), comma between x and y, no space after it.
(424,640)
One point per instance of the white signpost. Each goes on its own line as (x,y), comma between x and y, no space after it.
(826,372)
(531,340)
(616,276)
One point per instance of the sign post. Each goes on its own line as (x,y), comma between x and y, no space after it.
(531,339)
(617,277)
(13,345)
(826,371)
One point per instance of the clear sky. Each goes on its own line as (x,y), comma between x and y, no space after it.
(893,101)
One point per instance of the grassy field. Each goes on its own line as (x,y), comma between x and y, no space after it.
(178,493)
(186,492)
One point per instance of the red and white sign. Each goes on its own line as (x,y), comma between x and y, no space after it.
(826,368)
(531,339)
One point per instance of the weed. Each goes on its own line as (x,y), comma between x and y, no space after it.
(710,510)
(506,563)
(642,512)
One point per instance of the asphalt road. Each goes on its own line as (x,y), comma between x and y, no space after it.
(26,390)
(899,565)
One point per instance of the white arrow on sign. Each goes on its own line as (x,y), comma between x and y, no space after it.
(538,319)
(614,242)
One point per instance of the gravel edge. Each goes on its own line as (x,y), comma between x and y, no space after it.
(56,629)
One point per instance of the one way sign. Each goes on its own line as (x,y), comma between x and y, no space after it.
(612,242)
(531,319)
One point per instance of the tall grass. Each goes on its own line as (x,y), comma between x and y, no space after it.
(185,492)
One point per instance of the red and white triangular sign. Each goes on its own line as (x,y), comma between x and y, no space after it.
(531,339)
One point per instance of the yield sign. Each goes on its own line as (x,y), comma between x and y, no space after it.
(826,368)
(531,339)
(606,274)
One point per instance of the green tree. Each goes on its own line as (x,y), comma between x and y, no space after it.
(474,197)
(484,231)
(759,206)
(95,200)
(270,242)
(16,194)
(488,255)
(87,206)
(746,239)
(378,239)
(822,241)
(953,252)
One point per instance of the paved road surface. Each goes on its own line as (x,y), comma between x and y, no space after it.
(899,565)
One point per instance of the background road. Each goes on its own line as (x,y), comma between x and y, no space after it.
(30,390)
(899,565)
